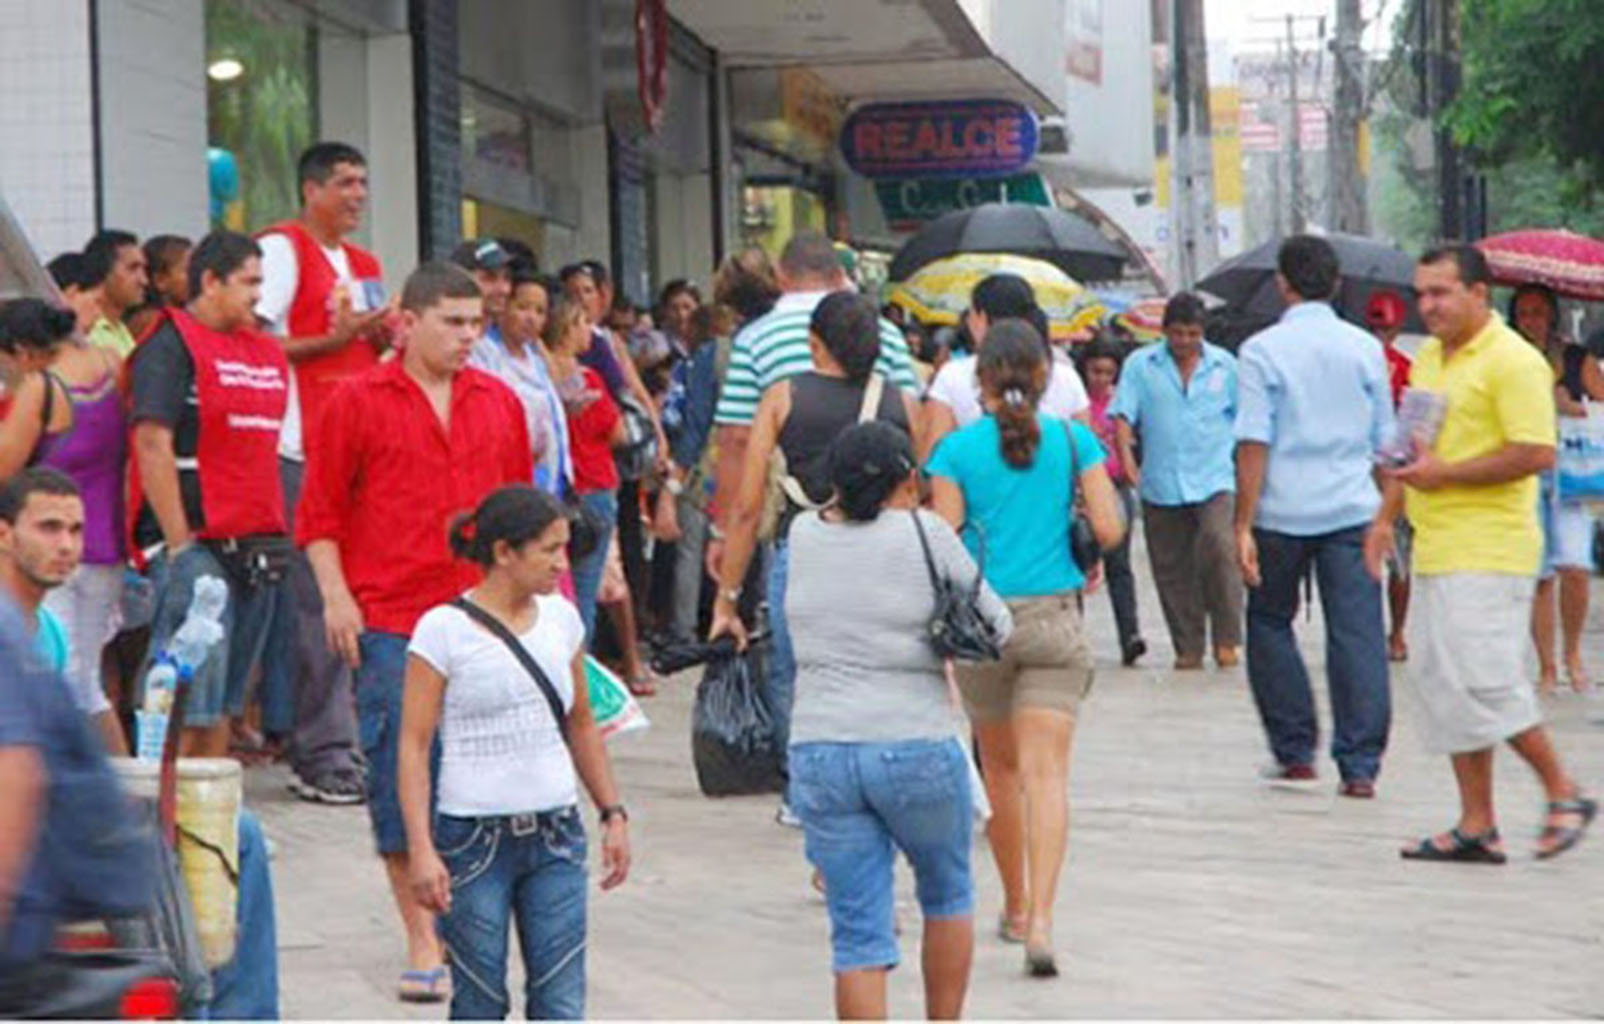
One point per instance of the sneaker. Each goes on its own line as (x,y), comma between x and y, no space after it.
(1289,776)
(335,786)
(787,817)
(1358,789)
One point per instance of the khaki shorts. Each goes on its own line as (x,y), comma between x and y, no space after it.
(1045,665)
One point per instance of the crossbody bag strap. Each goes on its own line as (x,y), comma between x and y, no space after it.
(870,409)
(924,543)
(519,651)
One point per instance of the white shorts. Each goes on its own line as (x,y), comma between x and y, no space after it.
(1467,666)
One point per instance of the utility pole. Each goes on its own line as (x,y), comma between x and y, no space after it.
(1347,184)
(1193,226)
(1442,85)
(1295,132)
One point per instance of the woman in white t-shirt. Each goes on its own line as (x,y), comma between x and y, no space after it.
(953,398)
(506,844)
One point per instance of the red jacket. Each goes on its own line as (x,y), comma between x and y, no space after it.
(385,480)
(312,316)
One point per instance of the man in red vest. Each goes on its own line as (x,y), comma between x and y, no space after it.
(399,454)
(324,297)
(209,395)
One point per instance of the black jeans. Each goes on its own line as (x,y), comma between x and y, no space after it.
(1121,582)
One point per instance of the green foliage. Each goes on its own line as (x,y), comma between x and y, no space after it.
(1532,76)
(267,116)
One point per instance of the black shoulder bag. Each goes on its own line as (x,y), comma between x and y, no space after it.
(957,628)
(1084,547)
(519,651)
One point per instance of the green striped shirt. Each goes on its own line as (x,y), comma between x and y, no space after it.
(774,347)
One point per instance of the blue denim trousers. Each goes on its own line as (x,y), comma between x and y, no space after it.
(1356,651)
(603,505)
(246,988)
(527,871)
(779,675)
(380,680)
(862,802)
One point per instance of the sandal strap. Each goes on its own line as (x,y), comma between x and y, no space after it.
(1575,805)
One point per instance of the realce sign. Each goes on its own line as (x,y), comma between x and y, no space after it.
(967,138)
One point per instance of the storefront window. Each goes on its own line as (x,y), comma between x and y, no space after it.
(261,107)
(494,132)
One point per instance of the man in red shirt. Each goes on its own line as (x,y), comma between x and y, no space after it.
(1385,314)
(398,454)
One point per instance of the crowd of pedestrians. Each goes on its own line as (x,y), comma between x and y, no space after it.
(429,509)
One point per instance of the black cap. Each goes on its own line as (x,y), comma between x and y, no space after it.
(480,254)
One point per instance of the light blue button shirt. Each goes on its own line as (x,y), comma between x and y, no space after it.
(1314,389)
(1186,430)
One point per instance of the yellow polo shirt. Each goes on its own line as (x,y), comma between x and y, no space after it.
(1500,391)
(112,334)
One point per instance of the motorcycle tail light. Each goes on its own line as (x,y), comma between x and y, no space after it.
(150,999)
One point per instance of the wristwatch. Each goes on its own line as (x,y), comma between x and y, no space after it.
(733,596)
(612,811)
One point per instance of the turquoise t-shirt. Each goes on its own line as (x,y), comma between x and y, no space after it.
(1024,514)
(50,640)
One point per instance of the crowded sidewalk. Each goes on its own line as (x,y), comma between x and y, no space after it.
(1192,890)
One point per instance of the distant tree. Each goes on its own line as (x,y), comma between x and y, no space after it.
(1532,78)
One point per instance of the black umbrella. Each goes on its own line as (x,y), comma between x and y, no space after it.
(1072,243)
(1246,283)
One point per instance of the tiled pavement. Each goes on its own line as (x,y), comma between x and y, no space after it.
(1191,891)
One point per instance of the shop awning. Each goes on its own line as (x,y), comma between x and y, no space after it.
(865,49)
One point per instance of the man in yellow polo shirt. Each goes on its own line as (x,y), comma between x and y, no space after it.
(1472,498)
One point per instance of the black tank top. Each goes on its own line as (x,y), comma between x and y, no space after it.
(822,407)
(1571,359)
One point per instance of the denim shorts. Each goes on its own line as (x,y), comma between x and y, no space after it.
(379,683)
(218,687)
(860,803)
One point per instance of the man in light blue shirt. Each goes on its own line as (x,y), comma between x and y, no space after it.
(1179,400)
(1315,407)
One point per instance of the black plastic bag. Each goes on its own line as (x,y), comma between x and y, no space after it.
(732,730)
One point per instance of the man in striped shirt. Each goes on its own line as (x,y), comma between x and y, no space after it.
(768,350)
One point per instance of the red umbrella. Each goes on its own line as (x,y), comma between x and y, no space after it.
(1571,264)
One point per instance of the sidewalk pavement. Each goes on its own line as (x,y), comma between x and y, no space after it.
(1191,890)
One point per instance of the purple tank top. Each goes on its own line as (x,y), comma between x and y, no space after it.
(94,452)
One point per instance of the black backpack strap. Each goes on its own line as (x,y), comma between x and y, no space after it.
(519,651)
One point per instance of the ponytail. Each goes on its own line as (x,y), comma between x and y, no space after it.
(516,515)
(1012,375)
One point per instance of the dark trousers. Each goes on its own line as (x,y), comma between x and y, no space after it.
(324,737)
(632,546)
(1121,581)
(1193,550)
(1356,651)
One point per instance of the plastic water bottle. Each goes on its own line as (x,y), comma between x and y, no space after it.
(200,631)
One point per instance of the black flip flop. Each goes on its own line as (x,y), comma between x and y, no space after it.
(1565,838)
(1466,849)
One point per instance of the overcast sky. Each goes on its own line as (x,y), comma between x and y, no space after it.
(1253,24)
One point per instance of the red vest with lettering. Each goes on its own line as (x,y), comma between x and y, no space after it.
(312,314)
(241,391)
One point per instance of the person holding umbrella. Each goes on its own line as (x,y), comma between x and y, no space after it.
(1567,526)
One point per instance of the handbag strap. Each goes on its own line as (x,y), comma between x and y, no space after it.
(519,651)
(1074,465)
(930,561)
(868,410)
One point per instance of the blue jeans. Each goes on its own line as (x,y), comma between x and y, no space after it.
(860,803)
(525,870)
(249,619)
(603,505)
(779,675)
(380,680)
(246,988)
(1356,651)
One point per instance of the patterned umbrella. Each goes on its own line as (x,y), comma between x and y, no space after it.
(938,293)
(1571,264)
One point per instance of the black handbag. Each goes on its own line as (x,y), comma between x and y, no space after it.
(585,528)
(957,628)
(1084,546)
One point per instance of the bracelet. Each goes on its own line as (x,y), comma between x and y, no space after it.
(612,811)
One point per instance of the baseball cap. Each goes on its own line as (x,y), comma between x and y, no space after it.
(480,254)
(1386,309)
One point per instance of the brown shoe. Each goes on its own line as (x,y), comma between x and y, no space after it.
(1228,657)
(1188,662)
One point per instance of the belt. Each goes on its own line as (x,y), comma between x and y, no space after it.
(529,823)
